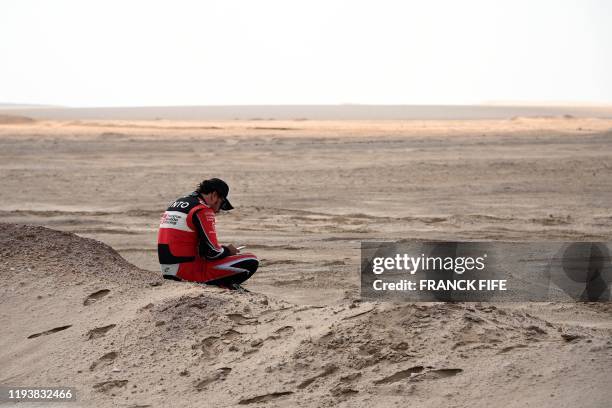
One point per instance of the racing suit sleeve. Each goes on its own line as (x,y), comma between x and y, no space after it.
(208,246)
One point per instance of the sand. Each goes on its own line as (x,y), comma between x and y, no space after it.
(307,193)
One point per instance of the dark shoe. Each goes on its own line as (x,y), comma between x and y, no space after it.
(239,288)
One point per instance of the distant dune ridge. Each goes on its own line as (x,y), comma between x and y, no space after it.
(14,119)
(311,112)
(75,313)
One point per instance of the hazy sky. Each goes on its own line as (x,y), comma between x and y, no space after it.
(129,52)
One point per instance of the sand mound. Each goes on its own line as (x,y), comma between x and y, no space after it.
(122,338)
(42,252)
(15,120)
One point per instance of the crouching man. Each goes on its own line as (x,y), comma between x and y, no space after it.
(187,243)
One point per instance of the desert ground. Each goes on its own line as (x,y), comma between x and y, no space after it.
(83,304)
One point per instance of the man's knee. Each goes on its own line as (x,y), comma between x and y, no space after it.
(249,263)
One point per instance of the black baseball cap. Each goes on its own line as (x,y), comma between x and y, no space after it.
(221,187)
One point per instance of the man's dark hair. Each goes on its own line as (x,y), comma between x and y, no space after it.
(218,185)
(215,184)
(204,187)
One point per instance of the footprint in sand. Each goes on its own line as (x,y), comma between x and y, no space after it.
(108,385)
(99,331)
(219,375)
(264,398)
(512,347)
(51,331)
(439,374)
(350,377)
(340,390)
(282,332)
(418,373)
(569,337)
(534,331)
(285,330)
(95,296)
(207,344)
(211,346)
(240,319)
(400,375)
(105,360)
(327,370)
(231,335)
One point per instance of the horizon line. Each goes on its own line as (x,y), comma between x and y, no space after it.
(497,104)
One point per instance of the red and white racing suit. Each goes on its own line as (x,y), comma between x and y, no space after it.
(188,249)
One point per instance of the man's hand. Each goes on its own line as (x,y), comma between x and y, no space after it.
(232,249)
